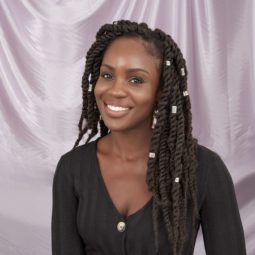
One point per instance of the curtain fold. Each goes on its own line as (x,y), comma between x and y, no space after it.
(43,45)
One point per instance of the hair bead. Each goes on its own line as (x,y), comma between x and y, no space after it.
(168,62)
(174,109)
(182,71)
(152,155)
(90,87)
(185,93)
(177,179)
(89,131)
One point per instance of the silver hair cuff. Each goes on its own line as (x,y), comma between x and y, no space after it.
(182,71)
(152,155)
(185,93)
(174,109)
(168,63)
(90,87)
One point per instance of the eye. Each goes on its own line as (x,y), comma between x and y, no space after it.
(106,76)
(136,80)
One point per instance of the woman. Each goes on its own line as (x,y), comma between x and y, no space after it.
(145,185)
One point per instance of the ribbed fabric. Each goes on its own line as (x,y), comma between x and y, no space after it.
(84,218)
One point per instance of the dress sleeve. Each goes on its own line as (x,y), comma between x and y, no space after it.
(64,233)
(220,218)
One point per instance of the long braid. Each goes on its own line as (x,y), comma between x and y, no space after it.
(172,140)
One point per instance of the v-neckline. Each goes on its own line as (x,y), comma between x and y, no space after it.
(99,173)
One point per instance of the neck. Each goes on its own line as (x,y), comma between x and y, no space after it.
(130,145)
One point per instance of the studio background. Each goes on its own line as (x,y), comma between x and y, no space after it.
(42,55)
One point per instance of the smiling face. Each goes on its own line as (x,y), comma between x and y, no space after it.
(126,90)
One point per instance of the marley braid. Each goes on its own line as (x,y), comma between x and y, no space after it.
(171,174)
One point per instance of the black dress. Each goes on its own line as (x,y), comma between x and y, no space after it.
(85,220)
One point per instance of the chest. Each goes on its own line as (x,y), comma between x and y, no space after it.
(125,184)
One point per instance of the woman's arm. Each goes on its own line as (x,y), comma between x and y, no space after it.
(220,219)
(65,237)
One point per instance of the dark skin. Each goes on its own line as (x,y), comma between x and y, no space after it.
(123,153)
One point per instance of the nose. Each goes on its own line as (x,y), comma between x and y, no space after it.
(118,88)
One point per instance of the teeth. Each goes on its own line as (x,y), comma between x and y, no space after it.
(116,108)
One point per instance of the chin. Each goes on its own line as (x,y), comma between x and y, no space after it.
(114,128)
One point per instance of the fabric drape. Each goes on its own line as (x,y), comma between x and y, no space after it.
(42,55)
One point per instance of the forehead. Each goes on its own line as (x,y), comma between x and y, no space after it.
(131,51)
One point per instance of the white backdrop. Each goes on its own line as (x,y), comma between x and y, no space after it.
(42,54)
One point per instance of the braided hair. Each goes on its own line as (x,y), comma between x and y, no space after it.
(171,174)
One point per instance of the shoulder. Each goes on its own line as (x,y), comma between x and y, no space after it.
(206,155)
(76,158)
(210,162)
(74,165)
(213,175)
(81,152)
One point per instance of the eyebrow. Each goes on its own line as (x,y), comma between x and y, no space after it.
(130,70)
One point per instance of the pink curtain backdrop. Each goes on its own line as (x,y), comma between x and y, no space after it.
(42,56)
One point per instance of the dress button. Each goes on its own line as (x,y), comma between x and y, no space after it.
(121,226)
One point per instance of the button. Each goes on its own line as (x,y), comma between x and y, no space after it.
(121,226)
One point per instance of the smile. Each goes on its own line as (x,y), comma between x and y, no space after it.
(117,108)
(114,111)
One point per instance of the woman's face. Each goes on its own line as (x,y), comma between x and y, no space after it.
(129,78)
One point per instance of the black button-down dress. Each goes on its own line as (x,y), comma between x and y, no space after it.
(85,220)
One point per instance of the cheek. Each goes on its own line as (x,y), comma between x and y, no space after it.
(100,87)
(97,94)
(98,90)
(145,96)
